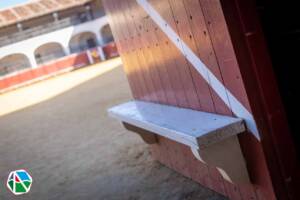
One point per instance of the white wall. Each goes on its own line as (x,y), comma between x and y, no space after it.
(106,34)
(12,63)
(49,51)
(62,36)
(79,41)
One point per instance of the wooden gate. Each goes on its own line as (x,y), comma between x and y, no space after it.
(167,46)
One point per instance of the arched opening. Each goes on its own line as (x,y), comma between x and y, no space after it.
(12,63)
(48,52)
(106,34)
(82,41)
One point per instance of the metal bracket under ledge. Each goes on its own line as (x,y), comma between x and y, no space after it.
(211,137)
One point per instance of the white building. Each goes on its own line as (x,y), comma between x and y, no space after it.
(43,31)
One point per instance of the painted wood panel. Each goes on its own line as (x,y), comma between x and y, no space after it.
(135,80)
(28,76)
(157,71)
(183,68)
(206,52)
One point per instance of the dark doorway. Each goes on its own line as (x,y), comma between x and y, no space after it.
(281,26)
(91,43)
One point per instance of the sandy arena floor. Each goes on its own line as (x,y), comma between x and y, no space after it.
(59,131)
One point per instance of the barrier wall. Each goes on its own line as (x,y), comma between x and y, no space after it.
(55,67)
(28,76)
(159,72)
(110,50)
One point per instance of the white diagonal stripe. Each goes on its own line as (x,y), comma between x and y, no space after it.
(236,107)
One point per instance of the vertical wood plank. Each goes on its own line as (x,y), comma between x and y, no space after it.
(182,25)
(174,156)
(248,192)
(150,37)
(199,171)
(205,51)
(167,147)
(136,25)
(158,72)
(184,69)
(137,57)
(170,57)
(232,190)
(217,181)
(137,86)
(222,45)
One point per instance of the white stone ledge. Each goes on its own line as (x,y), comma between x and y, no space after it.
(211,137)
(192,128)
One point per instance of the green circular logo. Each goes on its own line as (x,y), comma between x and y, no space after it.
(19,182)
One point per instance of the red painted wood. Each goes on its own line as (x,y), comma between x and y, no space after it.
(223,49)
(110,50)
(144,83)
(156,68)
(26,76)
(137,58)
(49,68)
(62,64)
(147,29)
(217,182)
(256,164)
(52,68)
(179,155)
(199,171)
(136,26)
(181,63)
(3,84)
(205,51)
(146,70)
(171,61)
(232,79)
(232,190)
(81,60)
(165,148)
(264,97)
(203,91)
(197,82)
(248,191)
(137,90)
(13,80)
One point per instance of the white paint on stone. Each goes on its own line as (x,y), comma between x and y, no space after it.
(62,36)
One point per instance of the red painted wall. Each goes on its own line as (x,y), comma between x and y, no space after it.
(110,50)
(158,72)
(43,71)
(54,67)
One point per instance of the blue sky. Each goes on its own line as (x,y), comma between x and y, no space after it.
(8,3)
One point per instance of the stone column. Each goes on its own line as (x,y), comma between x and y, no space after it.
(32,60)
(101,53)
(99,38)
(67,50)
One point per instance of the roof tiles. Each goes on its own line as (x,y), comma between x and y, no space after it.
(34,9)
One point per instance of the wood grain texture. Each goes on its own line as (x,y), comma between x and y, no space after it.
(158,72)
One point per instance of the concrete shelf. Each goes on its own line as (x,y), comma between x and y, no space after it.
(211,137)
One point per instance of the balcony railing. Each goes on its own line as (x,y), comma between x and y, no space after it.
(38,30)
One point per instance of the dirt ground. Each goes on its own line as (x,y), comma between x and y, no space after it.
(73,150)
